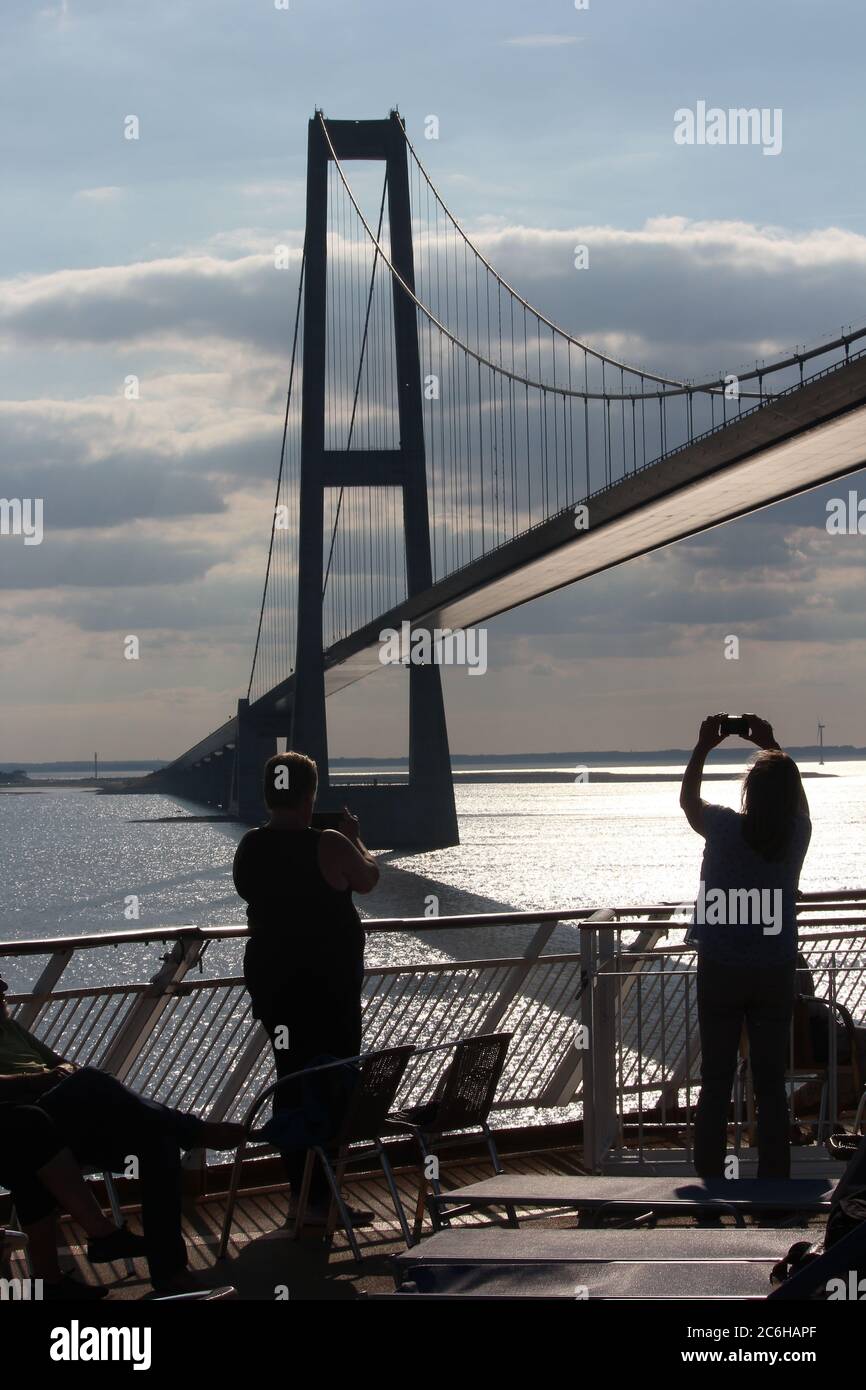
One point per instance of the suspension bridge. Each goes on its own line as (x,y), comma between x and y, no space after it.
(449,452)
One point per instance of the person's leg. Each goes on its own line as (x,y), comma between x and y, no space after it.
(42,1248)
(92,1100)
(720,1017)
(42,1174)
(301,1033)
(316,1028)
(342,1038)
(63,1178)
(769,1008)
(106,1126)
(161,1191)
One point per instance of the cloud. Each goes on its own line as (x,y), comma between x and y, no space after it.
(157,511)
(678,295)
(185,298)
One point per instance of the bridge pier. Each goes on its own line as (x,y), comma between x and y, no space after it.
(253,746)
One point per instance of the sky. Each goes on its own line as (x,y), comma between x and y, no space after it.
(154,257)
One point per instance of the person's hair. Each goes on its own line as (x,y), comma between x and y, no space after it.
(290,779)
(772,795)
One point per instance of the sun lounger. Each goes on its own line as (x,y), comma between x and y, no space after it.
(493,1245)
(603,1196)
(585,1264)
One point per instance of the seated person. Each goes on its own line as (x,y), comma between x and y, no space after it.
(34,1158)
(102,1124)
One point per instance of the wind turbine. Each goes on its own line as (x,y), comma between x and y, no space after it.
(821,728)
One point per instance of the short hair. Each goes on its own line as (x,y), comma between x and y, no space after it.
(290,778)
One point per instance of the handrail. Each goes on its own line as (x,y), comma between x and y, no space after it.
(190,1039)
(630,917)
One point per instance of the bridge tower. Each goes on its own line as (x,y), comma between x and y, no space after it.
(422,812)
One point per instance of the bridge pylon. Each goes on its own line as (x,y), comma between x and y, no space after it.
(421,812)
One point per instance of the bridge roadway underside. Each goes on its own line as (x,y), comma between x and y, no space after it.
(800,440)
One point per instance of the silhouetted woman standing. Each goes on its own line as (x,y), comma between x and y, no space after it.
(747,948)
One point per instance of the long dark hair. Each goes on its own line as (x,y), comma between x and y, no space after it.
(772,795)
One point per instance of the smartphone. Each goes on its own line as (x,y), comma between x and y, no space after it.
(735,724)
(327,820)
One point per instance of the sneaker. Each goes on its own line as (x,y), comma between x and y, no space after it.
(68,1289)
(122,1244)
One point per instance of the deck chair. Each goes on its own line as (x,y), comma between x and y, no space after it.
(457,1111)
(360,1136)
(375,1078)
(677,1263)
(603,1197)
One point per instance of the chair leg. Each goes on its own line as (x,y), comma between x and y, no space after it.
(423,1181)
(823,1126)
(114,1203)
(510,1211)
(438,1216)
(231,1200)
(345,1218)
(13,1219)
(304,1194)
(399,1210)
(418,1224)
(492,1149)
(331,1223)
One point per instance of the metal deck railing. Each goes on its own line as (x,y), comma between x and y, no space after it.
(601,1004)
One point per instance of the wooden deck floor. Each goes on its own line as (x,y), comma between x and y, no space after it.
(263,1262)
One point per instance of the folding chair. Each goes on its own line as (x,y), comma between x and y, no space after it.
(462,1103)
(379,1076)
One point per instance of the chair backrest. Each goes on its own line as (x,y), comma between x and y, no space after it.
(379,1075)
(469,1086)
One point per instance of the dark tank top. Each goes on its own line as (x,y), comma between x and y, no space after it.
(306,941)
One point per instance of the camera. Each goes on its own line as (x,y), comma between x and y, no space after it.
(735,724)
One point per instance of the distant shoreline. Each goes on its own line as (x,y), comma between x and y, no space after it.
(539,776)
(736,753)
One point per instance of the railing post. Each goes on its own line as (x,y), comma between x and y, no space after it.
(148,1008)
(231,1087)
(516,976)
(600,1120)
(28,1014)
(563,1085)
